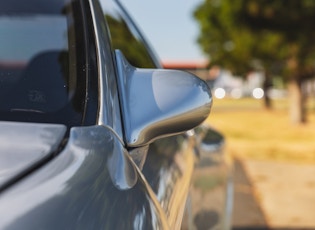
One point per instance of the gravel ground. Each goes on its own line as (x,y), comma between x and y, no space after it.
(247,213)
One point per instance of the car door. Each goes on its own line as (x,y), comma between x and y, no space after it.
(167,164)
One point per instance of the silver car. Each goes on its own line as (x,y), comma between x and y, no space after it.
(94,134)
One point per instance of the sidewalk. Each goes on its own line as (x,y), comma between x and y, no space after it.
(274,195)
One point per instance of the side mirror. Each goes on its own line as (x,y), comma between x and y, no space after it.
(157,102)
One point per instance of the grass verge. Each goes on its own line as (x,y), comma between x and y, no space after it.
(256,133)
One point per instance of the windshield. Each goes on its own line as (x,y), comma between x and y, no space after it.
(39,65)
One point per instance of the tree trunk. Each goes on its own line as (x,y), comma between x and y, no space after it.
(266,87)
(267,101)
(297,102)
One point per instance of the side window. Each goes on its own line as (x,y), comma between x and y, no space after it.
(126,37)
(41,76)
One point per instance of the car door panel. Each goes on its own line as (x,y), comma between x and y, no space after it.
(91,184)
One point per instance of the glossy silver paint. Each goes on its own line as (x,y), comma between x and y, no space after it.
(157,102)
(211,198)
(91,184)
(168,170)
(109,110)
(22,145)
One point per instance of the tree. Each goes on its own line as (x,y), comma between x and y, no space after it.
(277,34)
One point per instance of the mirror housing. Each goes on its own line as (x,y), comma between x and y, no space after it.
(157,102)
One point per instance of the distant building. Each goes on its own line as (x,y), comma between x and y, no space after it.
(222,82)
(197,67)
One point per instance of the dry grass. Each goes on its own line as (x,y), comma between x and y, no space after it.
(254,132)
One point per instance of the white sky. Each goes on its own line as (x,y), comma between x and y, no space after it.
(169,27)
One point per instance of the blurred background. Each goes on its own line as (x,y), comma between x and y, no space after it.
(258,57)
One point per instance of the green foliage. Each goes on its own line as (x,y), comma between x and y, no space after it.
(131,46)
(279,35)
